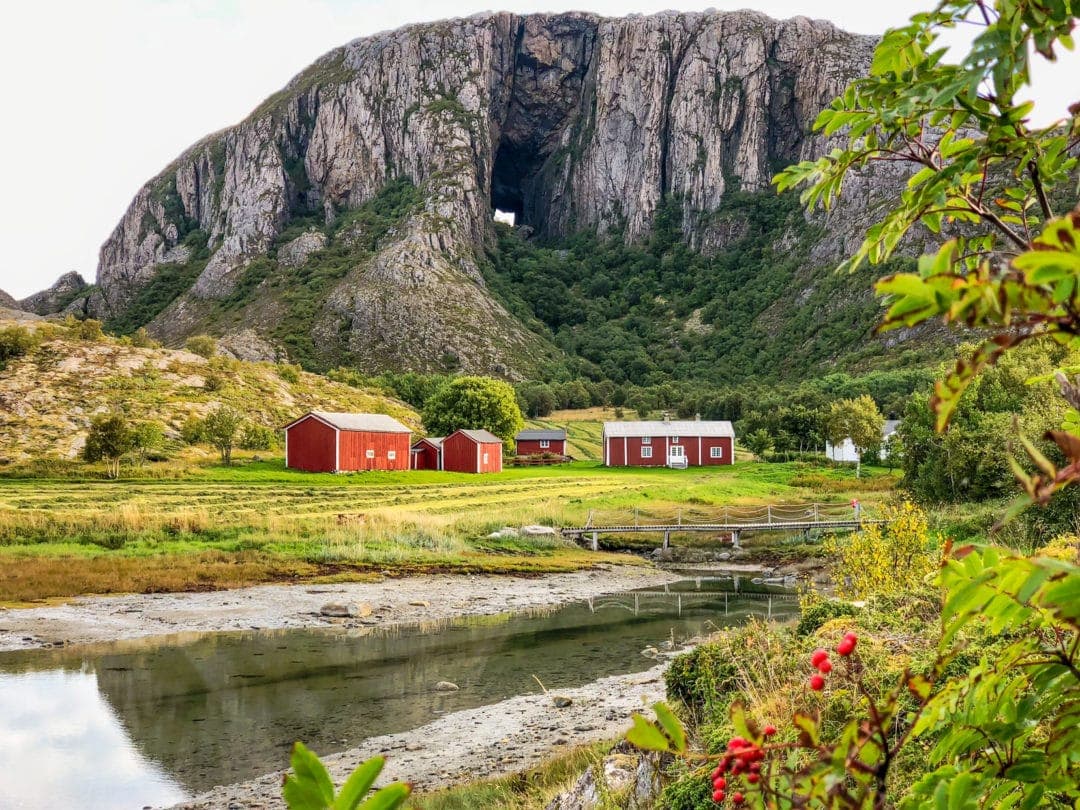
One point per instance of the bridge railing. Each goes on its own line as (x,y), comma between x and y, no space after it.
(727,515)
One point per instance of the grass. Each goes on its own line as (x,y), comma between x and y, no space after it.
(213,526)
(529,790)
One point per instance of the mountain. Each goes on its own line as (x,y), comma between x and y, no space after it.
(70,290)
(48,397)
(7,302)
(348,219)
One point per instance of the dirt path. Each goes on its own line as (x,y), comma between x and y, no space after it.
(93,619)
(506,737)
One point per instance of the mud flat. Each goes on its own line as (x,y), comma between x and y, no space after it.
(91,619)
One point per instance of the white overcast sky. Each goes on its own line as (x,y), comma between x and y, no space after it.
(99,95)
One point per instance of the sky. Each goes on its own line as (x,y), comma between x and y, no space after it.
(100,96)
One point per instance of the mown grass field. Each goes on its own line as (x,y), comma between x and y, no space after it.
(229,526)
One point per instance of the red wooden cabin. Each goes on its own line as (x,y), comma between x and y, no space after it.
(427,454)
(346,442)
(668,444)
(538,442)
(472,451)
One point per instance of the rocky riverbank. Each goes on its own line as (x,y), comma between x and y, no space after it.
(91,619)
(506,737)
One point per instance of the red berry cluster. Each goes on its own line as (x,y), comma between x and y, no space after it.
(742,758)
(820,660)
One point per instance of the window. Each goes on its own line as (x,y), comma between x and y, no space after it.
(678,451)
(370,454)
(646,452)
(485,458)
(674,439)
(544,443)
(391,454)
(716,452)
(646,439)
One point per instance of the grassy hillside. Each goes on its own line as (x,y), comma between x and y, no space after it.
(48,397)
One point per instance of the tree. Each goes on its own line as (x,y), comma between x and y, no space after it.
(760,443)
(110,438)
(221,428)
(145,437)
(474,402)
(536,399)
(856,419)
(141,339)
(256,437)
(982,174)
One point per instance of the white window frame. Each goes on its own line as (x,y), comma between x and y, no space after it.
(391,455)
(677,451)
(646,439)
(674,439)
(545,443)
(646,451)
(716,452)
(485,458)
(369,453)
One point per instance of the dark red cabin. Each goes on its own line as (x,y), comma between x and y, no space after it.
(320,441)
(427,454)
(472,451)
(668,444)
(540,442)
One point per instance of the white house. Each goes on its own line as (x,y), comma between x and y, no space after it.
(846,450)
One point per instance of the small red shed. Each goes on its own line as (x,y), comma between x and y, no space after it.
(539,442)
(321,441)
(472,451)
(427,454)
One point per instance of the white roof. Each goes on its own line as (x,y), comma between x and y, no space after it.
(681,428)
(371,422)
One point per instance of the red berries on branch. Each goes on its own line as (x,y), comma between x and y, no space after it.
(847,646)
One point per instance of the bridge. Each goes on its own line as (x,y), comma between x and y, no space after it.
(732,521)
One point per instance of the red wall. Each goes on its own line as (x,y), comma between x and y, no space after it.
(425,457)
(459,455)
(660,444)
(531,447)
(311,446)
(356,443)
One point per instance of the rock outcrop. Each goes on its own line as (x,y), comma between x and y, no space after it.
(56,298)
(570,121)
(7,302)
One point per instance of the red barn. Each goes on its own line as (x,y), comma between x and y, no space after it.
(538,442)
(427,454)
(472,451)
(346,442)
(668,444)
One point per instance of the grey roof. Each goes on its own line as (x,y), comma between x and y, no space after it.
(548,435)
(481,436)
(680,428)
(435,440)
(373,422)
(890,426)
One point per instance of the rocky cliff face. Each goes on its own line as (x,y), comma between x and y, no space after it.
(7,302)
(66,290)
(570,121)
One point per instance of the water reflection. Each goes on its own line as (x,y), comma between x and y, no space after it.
(218,708)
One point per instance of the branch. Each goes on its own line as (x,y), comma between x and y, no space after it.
(1044,203)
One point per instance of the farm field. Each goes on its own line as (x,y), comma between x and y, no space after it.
(232,526)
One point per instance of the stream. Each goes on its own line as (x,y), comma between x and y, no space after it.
(151,722)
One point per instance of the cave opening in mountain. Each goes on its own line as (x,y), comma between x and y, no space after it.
(516,164)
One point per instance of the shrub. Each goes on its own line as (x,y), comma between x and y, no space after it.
(289,372)
(141,339)
(816,611)
(202,345)
(192,432)
(15,341)
(256,437)
(213,382)
(89,330)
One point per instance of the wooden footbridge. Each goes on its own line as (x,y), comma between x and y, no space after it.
(731,521)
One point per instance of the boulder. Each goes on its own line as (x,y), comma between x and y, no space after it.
(446,686)
(538,531)
(345,610)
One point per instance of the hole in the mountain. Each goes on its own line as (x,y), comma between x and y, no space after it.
(515,165)
(505,216)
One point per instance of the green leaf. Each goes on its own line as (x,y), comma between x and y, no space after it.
(358,784)
(389,797)
(671,726)
(309,786)
(647,736)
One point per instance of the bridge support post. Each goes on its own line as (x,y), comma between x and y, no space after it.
(596,541)
(735,539)
(667,539)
